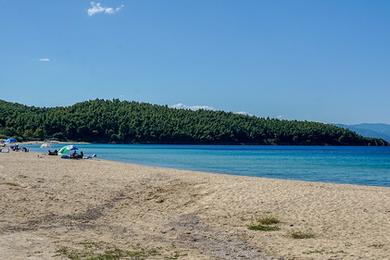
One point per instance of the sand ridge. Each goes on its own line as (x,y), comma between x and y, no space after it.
(50,208)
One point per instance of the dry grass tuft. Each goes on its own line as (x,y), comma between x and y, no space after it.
(298,234)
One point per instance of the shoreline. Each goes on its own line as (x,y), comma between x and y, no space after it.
(215,174)
(224,174)
(56,204)
(203,144)
(52,142)
(227,173)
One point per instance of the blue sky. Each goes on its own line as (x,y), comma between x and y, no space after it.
(314,60)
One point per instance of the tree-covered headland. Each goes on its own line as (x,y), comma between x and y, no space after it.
(115,121)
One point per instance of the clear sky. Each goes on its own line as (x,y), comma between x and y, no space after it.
(323,60)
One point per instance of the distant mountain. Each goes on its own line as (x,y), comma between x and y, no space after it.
(370,130)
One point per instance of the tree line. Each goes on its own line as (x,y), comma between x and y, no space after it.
(115,121)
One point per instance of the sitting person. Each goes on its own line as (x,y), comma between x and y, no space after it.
(74,155)
(55,152)
(80,156)
(15,148)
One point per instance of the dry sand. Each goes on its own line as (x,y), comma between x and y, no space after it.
(64,208)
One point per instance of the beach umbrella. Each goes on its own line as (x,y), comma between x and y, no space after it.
(11,140)
(67,150)
(46,145)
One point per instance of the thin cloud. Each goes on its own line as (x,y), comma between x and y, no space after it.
(204,107)
(243,113)
(194,108)
(44,59)
(97,8)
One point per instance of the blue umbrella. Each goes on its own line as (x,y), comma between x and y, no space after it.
(11,140)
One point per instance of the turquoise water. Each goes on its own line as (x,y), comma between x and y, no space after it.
(353,165)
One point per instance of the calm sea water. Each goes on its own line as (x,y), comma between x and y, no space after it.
(353,165)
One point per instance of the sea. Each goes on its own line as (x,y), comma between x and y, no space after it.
(348,165)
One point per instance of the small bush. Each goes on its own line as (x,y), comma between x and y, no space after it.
(265,223)
(92,251)
(302,234)
(268,220)
(260,227)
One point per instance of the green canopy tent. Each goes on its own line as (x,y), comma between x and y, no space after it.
(67,151)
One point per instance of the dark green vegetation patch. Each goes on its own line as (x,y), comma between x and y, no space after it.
(260,227)
(95,251)
(114,121)
(265,223)
(302,234)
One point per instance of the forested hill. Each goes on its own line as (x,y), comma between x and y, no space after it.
(131,122)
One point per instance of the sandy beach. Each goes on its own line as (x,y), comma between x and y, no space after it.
(54,208)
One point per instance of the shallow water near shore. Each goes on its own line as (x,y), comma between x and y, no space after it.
(349,165)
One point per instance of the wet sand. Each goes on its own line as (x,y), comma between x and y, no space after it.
(54,208)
